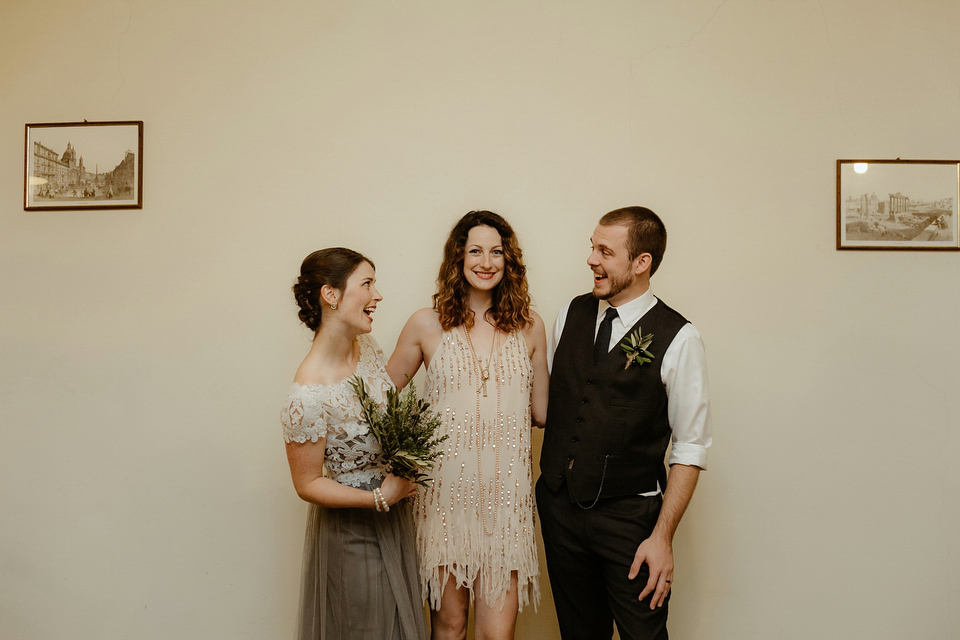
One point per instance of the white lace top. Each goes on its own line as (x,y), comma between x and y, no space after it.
(317,411)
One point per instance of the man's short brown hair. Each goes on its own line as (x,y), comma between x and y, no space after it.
(646,232)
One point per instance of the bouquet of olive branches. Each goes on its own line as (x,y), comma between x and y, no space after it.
(406,430)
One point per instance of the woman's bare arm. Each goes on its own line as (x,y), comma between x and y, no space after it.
(536,338)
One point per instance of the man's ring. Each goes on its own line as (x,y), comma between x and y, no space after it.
(669,581)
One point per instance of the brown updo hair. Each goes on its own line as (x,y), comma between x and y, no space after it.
(331,267)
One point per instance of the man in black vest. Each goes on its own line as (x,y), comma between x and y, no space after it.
(619,394)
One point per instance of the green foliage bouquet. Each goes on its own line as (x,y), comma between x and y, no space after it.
(406,430)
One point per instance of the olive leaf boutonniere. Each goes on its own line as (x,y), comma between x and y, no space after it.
(635,346)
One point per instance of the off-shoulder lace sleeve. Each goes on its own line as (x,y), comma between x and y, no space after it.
(301,420)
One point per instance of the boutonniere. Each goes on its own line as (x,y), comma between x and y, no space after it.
(635,346)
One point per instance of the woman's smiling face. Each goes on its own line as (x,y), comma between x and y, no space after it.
(483,259)
(360,298)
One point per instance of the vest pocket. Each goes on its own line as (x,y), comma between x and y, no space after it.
(630,474)
(636,404)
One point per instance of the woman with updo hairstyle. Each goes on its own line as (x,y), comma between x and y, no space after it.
(359,578)
(484,350)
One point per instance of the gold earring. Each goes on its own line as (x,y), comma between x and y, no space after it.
(333,306)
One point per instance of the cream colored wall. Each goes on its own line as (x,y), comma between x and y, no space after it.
(143,487)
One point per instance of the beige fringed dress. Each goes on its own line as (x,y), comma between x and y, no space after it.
(476,520)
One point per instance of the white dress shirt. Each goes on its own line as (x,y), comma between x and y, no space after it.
(683,372)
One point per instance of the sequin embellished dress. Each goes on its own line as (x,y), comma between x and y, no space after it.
(477,517)
(359,579)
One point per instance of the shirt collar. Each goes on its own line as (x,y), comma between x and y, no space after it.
(630,312)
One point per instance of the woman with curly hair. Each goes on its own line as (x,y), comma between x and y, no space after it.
(484,351)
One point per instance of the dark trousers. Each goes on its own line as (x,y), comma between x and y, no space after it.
(589,553)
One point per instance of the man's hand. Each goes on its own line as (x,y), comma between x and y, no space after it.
(657,550)
(658,554)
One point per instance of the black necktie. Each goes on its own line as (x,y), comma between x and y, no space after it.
(602,345)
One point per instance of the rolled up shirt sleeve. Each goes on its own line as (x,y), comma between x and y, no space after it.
(684,375)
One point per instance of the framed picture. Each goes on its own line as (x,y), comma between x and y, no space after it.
(83,165)
(898,204)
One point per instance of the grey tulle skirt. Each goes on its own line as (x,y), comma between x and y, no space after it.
(359,579)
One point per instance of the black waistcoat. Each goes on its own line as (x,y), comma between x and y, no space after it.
(607,430)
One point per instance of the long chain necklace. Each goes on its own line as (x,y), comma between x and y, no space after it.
(483,374)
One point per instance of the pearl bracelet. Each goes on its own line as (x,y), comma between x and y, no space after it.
(379,501)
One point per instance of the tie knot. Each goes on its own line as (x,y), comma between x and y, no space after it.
(611,314)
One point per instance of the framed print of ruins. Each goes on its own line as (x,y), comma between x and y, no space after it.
(898,204)
(83,165)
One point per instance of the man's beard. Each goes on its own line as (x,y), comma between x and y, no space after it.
(616,286)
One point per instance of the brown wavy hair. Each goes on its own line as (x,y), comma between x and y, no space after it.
(510,310)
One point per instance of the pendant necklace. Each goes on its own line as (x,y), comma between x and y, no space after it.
(484,371)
